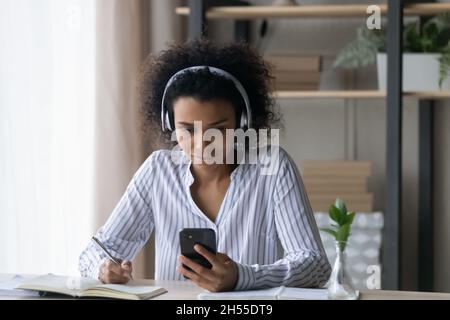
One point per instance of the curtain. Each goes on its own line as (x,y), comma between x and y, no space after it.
(128,31)
(70,127)
(46,133)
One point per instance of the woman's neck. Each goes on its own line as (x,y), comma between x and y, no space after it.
(212,173)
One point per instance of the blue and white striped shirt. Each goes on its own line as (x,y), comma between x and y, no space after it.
(257,214)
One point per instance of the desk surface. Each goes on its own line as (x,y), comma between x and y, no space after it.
(183,290)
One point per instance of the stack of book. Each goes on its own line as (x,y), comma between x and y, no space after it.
(327,180)
(296,72)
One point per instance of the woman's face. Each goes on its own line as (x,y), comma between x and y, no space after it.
(217,114)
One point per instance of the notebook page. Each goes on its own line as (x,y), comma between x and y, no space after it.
(130,288)
(303,294)
(60,284)
(266,294)
(7,287)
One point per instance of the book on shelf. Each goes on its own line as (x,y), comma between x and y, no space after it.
(336,168)
(327,184)
(331,189)
(293,62)
(78,287)
(289,77)
(296,72)
(295,87)
(326,180)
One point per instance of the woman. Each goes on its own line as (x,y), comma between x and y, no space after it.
(223,88)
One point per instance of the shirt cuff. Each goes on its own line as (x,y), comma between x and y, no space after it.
(246,277)
(95,272)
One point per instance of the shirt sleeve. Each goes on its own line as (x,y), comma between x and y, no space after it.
(129,225)
(305,263)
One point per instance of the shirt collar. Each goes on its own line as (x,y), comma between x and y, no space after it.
(189,178)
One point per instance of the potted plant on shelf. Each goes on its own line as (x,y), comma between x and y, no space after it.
(340,285)
(426,58)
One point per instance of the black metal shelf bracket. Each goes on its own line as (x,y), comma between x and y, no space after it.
(392,228)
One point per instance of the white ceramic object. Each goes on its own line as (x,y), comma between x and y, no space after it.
(420,72)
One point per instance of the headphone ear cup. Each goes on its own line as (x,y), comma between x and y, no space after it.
(243,124)
(167,120)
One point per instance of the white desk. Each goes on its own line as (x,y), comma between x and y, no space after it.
(180,290)
(183,290)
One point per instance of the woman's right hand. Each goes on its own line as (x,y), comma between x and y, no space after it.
(110,272)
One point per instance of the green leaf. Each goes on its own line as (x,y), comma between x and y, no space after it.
(412,38)
(442,20)
(350,218)
(340,204)
(334,214)
(444,66)
(430,29)
(431,36)
(330,231)
(363,50)
(443,38)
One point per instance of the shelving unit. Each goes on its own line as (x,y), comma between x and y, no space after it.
(200,11)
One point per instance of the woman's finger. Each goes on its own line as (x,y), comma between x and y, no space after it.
(127,268)
(211,257)
(113,273)
(126,264)
(198,269)
(111,265)
(195,278)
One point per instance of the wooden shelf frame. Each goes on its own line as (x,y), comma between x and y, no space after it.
(357,94)
(312,11)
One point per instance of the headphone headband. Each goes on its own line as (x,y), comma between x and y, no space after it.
(246,119)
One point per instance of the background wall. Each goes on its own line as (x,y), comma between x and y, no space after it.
(356,129)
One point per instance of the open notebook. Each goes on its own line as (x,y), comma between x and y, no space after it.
(278,293)
(84,287)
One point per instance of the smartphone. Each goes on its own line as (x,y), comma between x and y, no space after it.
(190,237)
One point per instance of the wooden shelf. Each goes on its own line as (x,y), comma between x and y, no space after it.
(311,11)
(356,94)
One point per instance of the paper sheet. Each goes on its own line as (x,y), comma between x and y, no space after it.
(7,288)
(278,293)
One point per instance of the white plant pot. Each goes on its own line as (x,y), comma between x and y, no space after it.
(420,72)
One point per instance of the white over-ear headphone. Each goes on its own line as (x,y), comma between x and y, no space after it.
(246,115)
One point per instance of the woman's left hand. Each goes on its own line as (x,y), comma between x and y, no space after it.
(221,277)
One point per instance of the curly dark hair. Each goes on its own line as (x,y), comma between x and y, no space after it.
(238,59)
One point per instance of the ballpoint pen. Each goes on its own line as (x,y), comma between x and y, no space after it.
(103,248)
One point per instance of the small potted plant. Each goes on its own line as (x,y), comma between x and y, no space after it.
(426,59)
(340,286)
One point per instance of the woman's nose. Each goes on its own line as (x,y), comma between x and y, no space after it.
(199,142)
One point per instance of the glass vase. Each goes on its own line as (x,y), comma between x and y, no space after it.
(340,286)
